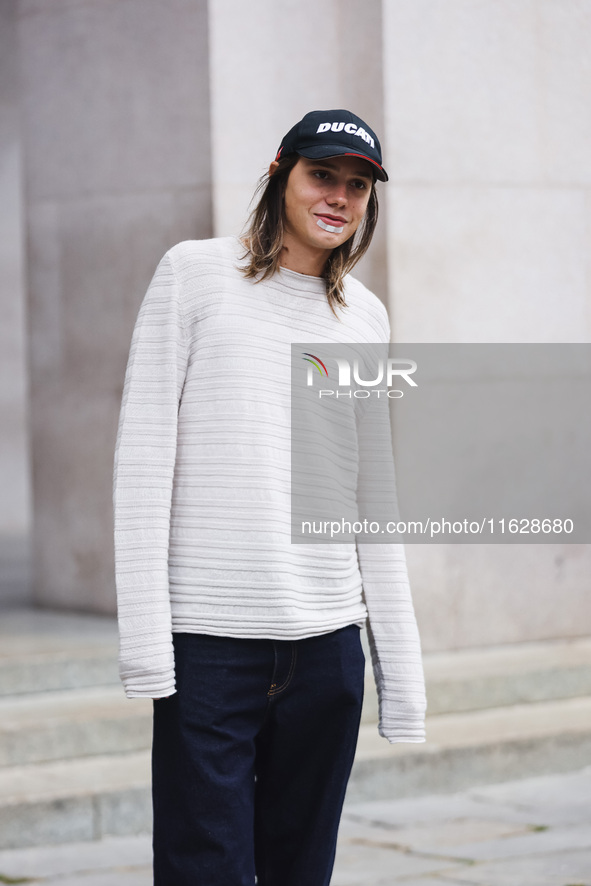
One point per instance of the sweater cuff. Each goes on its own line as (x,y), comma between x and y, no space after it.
(148,675)
(414,734)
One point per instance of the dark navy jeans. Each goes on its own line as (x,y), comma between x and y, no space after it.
(251,758)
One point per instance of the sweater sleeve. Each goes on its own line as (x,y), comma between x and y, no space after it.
(145,454)
(393,634)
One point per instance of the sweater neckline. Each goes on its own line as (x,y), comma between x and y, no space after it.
(294,279)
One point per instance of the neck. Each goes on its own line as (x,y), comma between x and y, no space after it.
(298,257)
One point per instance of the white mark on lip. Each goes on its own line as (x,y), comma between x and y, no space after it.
(330,228)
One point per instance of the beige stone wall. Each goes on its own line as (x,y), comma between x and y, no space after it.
(15,512)
(488,111)
(273,62)
(15,498)
(145,122)
(115,117)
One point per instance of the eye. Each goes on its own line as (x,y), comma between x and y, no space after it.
(359,184)
(321,174)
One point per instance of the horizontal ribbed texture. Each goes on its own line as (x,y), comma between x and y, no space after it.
(201,488)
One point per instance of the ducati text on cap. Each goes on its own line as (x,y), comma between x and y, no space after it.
(348,127)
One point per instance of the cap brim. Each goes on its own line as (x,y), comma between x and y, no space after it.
(323,152)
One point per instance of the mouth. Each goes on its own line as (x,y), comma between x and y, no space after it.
(331,219)
(334,224)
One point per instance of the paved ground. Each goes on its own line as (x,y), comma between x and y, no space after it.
(534,832)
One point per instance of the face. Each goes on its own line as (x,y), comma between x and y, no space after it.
(325,201)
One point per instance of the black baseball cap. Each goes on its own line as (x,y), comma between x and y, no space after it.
(322,134)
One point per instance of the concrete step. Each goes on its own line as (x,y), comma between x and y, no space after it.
(88,798)
(58,670)
(474,747)
(73,800)
(43,650)
(497,676)
(52,725)
(529,831)
(40,727)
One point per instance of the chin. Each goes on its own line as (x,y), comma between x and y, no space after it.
(328,239)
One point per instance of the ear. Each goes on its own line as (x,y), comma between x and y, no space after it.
(274,165)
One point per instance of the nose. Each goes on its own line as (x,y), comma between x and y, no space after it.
(338,194)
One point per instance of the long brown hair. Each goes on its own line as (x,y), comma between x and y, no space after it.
(263,235)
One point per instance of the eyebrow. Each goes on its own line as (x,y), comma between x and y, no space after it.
(360,173)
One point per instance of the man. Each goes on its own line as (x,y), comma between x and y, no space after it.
(249,645)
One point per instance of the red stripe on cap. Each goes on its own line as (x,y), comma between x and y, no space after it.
(363,156)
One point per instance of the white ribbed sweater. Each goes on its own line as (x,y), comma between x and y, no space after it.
(201,488)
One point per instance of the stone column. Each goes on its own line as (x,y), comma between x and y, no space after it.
(15,511)
(271,63)
(488,110)
(116,136)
